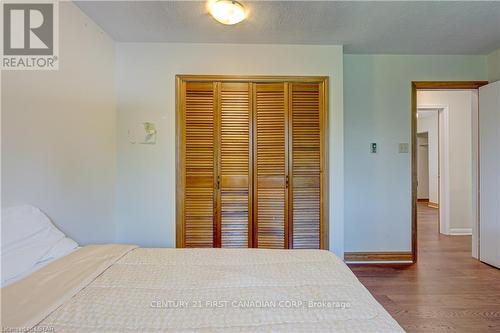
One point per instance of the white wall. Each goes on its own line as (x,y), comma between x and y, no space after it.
(494,66)
(429,125)
(58,133)
(377,109)
(145,81)
(459,103)
(423,166)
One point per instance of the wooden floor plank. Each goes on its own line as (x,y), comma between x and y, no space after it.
(446,291)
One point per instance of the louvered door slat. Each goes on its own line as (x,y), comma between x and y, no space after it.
(235,168)
(305,165)
(270,165)
(199,148)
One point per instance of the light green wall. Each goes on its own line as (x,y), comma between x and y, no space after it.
(377,91)
(494,66)
(59,133)
(145,85)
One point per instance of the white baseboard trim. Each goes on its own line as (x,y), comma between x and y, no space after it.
(460,231)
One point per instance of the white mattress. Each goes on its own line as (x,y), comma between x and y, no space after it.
(220,290)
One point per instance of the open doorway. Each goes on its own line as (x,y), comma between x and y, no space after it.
(444,168)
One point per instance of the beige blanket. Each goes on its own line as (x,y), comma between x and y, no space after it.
(28,301)
(196,290)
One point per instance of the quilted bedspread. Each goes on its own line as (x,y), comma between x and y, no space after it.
(221,290)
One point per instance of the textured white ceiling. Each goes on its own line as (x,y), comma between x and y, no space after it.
(404,27)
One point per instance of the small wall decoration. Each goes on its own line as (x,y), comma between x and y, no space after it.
(143,133)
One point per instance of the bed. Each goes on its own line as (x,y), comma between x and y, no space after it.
(124,288)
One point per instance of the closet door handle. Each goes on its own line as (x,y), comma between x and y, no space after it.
(286,181)
(218,182)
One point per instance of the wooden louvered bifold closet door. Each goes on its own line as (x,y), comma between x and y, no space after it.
(199,163)
(305,165)
(251,153)
(270,165)
(235,169)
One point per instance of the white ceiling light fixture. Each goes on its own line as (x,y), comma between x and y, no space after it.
(227,11)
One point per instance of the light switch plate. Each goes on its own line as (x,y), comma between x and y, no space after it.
(403,148)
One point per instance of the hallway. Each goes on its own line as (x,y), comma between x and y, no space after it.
(447,290)
(435,246)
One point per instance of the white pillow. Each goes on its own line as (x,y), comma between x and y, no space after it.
(22,222)
(28,237)
(60,249)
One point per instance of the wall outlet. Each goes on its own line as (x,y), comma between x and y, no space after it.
(373,148)
(403,148)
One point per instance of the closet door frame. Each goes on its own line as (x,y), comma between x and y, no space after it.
(181,79)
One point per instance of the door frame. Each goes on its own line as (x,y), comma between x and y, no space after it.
(324,143)
(427,85)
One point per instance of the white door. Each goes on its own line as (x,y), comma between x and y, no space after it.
(489,176)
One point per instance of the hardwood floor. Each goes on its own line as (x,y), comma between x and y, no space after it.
(445,291)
